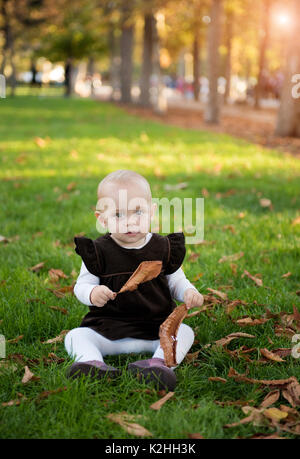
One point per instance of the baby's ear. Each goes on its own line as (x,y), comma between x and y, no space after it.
(101,219)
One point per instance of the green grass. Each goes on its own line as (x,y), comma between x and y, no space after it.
(87,140)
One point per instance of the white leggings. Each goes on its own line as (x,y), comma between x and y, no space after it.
(85,344)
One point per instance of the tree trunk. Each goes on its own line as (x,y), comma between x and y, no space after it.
(114,64)
(263,48)
(288,120)
(33,71)
(196,66)
(127,33)
(211,114)
(160,102)
(229,34)
(147,65)
(68,77)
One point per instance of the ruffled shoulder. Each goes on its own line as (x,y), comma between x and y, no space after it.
(177,252)
(85,247)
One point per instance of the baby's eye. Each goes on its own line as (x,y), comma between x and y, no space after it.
(119,214)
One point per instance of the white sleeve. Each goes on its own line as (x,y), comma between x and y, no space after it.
(84,285)
(178,284)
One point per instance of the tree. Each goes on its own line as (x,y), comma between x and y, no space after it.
(265,35)
(126,47)
(147,63)
(288,121)
(76,34)
(211,113)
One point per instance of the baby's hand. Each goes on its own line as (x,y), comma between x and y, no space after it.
(192,298)
(100,295)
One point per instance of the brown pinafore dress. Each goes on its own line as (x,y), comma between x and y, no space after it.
(136,314)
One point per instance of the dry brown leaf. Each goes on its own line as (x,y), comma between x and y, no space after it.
(195,436)
(61,292)
(46,393)
(15,340)
(56,274)
(234,257)
(270,356)
(217,379)
(168,331)
(71,186)
(270,399)
(57,339)
(132,428)
(58,308)
(29,376)
(255,279)
(38,267)
(193,257)
(146,271)
(266,382)
(157,405)
(228,338)
(286,275)
(16,401)
(248,321)
(256,416)
(218,293)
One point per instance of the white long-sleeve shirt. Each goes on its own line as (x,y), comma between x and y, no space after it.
(86,281)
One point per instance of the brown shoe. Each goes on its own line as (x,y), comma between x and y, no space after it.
(154,370)
(93,367)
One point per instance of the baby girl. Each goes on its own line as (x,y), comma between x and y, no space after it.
(128,322)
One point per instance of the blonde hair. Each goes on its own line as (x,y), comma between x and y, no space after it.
(123,176)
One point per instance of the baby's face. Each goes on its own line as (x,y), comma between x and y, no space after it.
(126,211)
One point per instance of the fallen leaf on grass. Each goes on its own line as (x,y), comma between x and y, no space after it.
(61,292)
(56,274)
(234,257)
(266,382)
(15,401)
(275,414)
(228,338)
(57,339)
(256,417)
(255,279)
(38,267)
(233,402)
(15,340)
(270,399)
(46,393)
(217,379)
(232,305)
(270,356)
(157,405)
(58,308)
(286,275)
(218,293)
(132,428)
(29,376)
(248,321)
(193,257)
(195,436)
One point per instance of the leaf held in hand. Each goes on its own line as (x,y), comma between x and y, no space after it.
(146,271)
